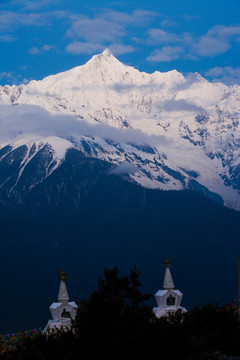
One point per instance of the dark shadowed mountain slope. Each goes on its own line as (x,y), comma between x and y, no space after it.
(83,218)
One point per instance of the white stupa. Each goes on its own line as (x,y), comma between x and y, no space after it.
(62,311)
(169,299)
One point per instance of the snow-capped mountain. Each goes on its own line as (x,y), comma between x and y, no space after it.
(160,130)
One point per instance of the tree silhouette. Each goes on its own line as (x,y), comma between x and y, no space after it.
(115,319)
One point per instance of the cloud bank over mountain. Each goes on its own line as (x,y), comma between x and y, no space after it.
(17,122)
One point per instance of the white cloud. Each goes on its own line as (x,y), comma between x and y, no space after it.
(190,18)
(12,77)
(211,46)
(96,30)
(124,168)
(117,30)
(78,47)
(108,29)
(45,48)
(119,49)
(10,21)
(180,105)
(162,37)
(165,54)
(34,4)
(34,51)
(17,122)
(228,75)
(27,123)
(176,45)
(217,40)
(136,18)
(159,36)
(8,75)
(48,47)
(6,38)
(168,23)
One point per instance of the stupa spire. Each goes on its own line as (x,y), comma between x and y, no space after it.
(63,293)
(168,281)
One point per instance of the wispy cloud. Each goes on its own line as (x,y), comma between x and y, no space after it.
(19,121)
(138,17)
(170,45)
(79,47)
(119,49)
(7,38)
(10,21)
(108,23)
(45,48)
(12,77)
(154,36)
(124,168)
(96,30)
(228,75)
(180,105)
(165,54)
(218,40)
(160,36)
(8,75)
(33,5)
(106,29)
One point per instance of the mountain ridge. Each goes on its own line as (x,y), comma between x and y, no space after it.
(113,112)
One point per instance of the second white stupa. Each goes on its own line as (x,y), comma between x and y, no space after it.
(168,299)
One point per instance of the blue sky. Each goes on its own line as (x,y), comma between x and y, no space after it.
(43,37)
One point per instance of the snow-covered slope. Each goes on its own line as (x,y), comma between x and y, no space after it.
(162,130)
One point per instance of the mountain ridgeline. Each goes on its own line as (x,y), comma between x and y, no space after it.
(164,130)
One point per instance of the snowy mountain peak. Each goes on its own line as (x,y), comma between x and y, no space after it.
(107,52)
(105,55)
(105,58)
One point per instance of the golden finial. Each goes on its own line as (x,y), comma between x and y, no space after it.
(167,262)
(62,275)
